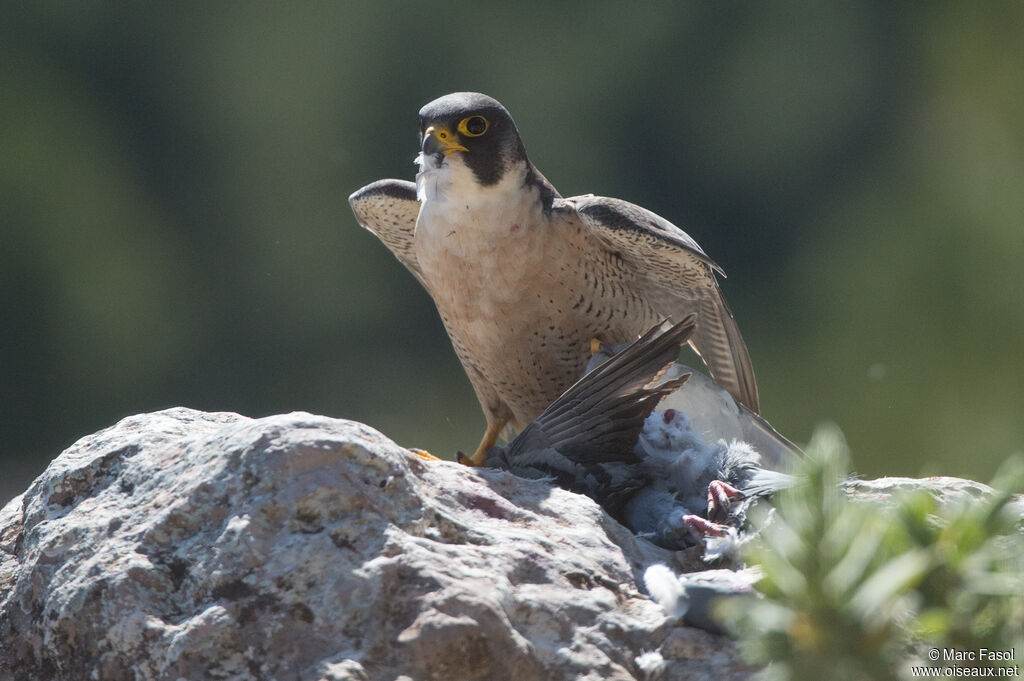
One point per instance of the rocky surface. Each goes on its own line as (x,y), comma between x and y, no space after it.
(188,545)
(191,545)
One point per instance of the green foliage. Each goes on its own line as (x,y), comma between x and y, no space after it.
(866,589)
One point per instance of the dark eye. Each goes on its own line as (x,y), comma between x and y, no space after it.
(474,126)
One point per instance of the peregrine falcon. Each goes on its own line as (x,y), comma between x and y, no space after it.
(525,280)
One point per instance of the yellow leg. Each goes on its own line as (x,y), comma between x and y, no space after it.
(479,457)
(595,346)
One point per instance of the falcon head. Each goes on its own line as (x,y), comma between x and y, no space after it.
(472,129)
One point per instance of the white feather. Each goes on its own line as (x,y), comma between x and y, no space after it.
(666,589)
(651,664)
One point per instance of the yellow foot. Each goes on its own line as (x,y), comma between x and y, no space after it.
(479,457)
(423,454)
(595,346)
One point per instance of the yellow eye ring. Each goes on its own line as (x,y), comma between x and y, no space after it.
(474,126)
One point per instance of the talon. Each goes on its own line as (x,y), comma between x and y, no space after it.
(423,454)
(701,527)
(479,457)
(720,495)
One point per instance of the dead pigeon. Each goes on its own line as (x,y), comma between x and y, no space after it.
(670,477)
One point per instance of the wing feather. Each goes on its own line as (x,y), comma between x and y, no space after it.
(389,208)
(677,278)
(585,439)
(600,416)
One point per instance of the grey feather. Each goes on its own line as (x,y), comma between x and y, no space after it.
(648,469)
(692,597)
(389,208)
(715,414)
(677,278)
(585,440)
(623,221)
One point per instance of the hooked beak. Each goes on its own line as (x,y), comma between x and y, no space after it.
(440,140)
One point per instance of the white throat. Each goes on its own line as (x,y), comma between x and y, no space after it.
(462,219)
(452,180)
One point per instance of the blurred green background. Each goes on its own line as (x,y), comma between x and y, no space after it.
(174,227)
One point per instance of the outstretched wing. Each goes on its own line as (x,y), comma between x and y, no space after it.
(585,438)
(389,208)
(677,278)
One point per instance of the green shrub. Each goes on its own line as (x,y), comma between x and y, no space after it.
(871,589)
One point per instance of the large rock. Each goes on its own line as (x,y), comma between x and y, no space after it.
(190,545)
